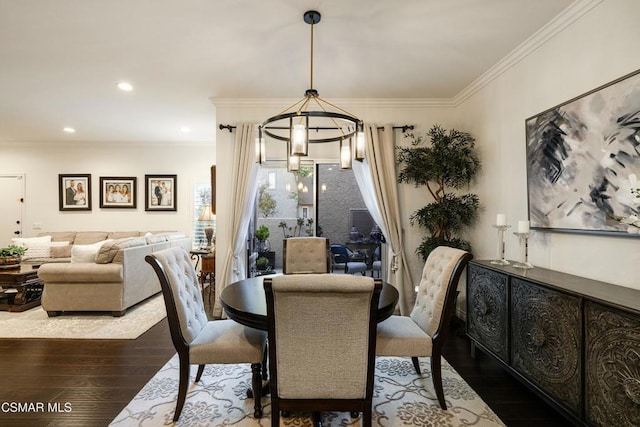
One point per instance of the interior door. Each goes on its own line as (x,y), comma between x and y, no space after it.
(12,211)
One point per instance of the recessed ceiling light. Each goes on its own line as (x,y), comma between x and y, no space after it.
(125,86)
(185,129)
(69,129)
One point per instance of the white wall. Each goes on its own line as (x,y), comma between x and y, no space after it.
(596,49)
(42,162)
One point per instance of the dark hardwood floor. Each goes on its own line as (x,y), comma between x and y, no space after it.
(97,378)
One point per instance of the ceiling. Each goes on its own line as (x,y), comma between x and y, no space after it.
(60,60)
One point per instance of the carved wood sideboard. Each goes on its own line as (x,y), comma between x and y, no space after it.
(572,340)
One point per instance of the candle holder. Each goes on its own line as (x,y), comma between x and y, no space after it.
(500,247)
(524,251)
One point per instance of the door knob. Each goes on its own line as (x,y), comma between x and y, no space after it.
(16,232)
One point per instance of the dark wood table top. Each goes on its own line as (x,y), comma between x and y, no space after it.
(244,301)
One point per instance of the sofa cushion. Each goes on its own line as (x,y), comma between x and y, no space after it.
(155,238)
(89,237)
(116,235)
(108,251)
(60,236)
(85,253)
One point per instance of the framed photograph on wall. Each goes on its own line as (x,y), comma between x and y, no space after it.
(583,160)
(160,192)
(118,192)
(74,192)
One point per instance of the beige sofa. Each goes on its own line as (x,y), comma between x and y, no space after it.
(114,279)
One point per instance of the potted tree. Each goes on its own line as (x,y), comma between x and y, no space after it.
(445,166)
(262,234)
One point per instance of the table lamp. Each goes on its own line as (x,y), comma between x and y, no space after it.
(208,216)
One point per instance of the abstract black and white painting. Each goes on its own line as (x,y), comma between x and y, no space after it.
(583,160)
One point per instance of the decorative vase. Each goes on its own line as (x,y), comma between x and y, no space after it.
(354,234)
(264,246)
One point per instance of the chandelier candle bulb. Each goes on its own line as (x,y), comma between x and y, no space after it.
(501,219)
(523,226)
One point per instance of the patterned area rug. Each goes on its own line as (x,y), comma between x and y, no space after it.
(35,323)
(401,398)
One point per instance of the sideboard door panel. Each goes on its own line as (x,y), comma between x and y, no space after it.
(546,340)
(612,361)
(487,309)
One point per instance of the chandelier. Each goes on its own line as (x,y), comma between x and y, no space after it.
(313,120)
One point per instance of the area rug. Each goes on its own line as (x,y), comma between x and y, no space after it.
(401,398)
(35,323)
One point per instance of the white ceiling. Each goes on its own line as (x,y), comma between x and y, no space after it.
(60,60)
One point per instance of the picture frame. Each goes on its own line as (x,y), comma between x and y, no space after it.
(74,192)
(583,160)
(160,192)
(118,192)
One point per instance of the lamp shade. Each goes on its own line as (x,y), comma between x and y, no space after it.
(206,214)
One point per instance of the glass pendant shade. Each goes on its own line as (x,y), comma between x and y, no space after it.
(261,150)
(299,139)
(293,164)
(359,146)
(345,154)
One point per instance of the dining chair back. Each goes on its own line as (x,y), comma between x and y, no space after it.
(198,340)
(305,255)
(322,337)
(424,331)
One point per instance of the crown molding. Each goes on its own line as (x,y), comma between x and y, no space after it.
(342,102)
(567,17)
(110,143)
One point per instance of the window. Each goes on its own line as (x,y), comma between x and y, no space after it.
(201,197)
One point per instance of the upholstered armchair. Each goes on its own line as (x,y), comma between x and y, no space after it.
(197,340)
(424,331)
(322,335)
(342,255)
(305,255)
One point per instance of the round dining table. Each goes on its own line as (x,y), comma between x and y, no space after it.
(244,301)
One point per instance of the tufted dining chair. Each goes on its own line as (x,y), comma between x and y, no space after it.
(322,338)
(305,255)
(424,331)
(196,339)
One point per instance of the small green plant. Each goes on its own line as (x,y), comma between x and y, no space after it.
(12,250)
(262,263)
(262,233)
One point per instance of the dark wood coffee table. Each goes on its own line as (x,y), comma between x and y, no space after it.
(21,288)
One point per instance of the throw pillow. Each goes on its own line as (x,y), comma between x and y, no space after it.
(41,250)
(63,251)
(26,241)
(86,253)
(108,251)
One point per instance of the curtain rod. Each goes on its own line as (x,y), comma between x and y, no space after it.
(404,128)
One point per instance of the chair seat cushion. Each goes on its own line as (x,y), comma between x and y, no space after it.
(356,267)
(225,341)
(401,336)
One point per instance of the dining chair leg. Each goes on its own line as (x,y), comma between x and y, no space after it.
(256,385)
(265,367)
(275,412)
(182,386)
(436,374)
(317,419)
(200,371)
(416,365)
(367,417)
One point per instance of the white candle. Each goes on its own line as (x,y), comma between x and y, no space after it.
(501,219)
(523,226)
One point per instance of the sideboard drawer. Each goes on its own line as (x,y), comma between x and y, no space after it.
(612,361)
(487,309)
(546,339)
